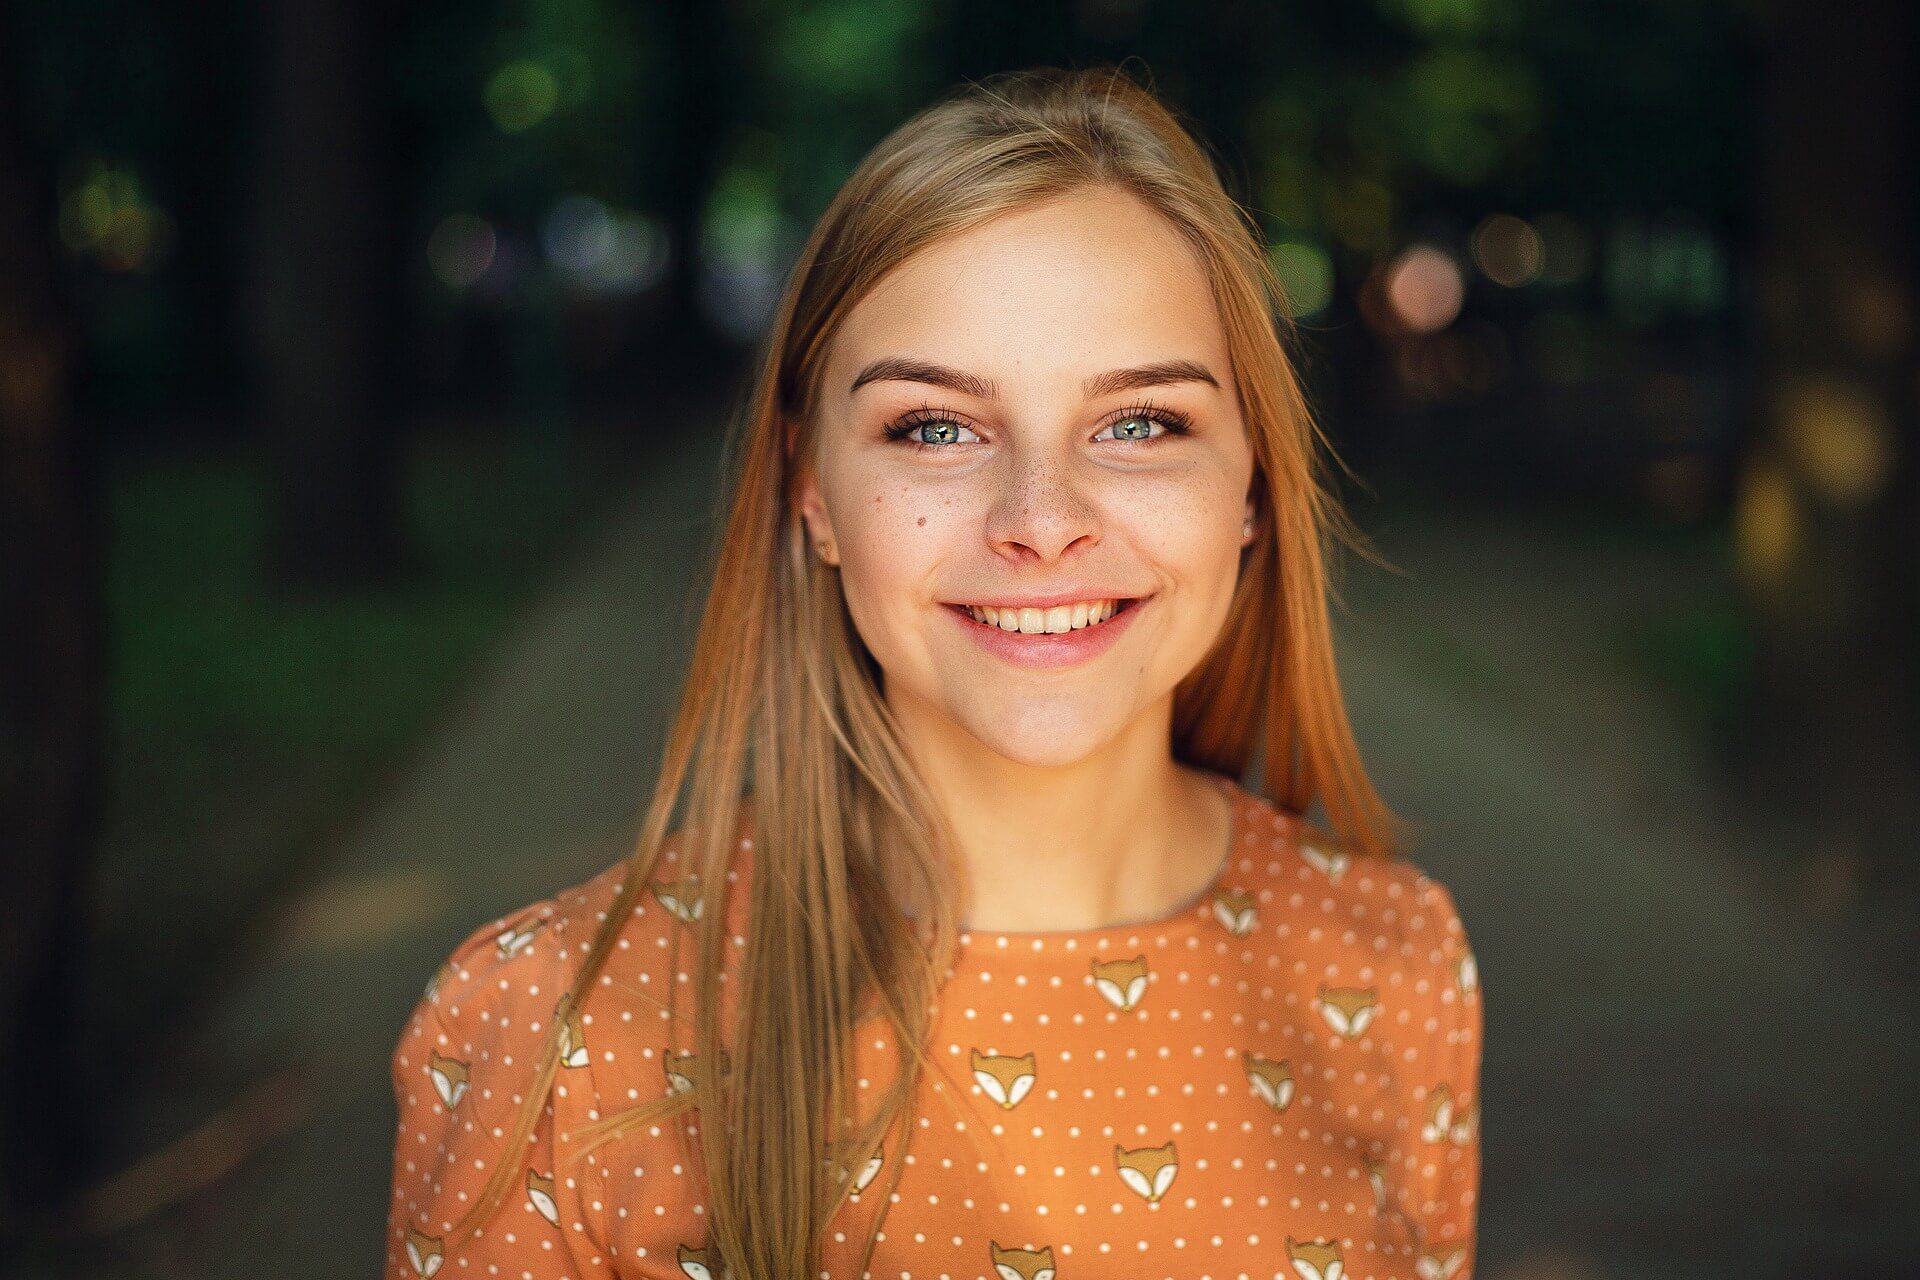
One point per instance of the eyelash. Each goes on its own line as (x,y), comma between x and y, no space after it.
(1176,423)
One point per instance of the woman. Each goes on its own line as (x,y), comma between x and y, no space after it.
(995,969)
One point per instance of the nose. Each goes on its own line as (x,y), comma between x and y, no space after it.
(1041,510)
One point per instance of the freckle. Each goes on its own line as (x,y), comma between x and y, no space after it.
(921,521)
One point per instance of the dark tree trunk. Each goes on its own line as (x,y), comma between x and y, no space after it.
(326,297)
(52,695)
(1829,513)
(708,84)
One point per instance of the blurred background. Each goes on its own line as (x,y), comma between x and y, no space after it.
(363,368)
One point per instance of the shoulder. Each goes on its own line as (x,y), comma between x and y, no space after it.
(533,952)
(478,1027)
(498,991)
(1378,908)
(525,957)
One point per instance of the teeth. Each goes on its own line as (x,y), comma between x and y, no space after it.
(1063,618)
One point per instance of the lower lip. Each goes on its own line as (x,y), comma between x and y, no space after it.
(1049,649)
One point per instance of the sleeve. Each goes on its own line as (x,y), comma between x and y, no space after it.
(1441,1153)
(460,1069)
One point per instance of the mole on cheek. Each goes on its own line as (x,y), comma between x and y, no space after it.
(920,523)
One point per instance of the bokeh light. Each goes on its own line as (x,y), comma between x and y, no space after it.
(1507,250)
(107,215)
(602,249)
(577,234)
(1766,524)
(1425,288)
(636,259)
(1840,437)
(1670,264)
(522,94)
(745,238)
(1686,267)
(1306,274)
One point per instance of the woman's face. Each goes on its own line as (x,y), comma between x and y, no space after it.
(1030,468)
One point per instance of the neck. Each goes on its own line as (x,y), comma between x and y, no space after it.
(1128,835)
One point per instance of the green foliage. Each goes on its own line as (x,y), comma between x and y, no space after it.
(552,97)
(1454,17)
(206,653)
(833,76)
(1466,110)
(845,49)
(743,221)
(1306,273)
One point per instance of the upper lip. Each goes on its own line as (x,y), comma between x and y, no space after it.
(1051,600)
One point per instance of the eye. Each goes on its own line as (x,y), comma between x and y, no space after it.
(937,431)
(927,428)
(1136,424)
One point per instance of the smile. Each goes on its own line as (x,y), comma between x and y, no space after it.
(1059,636)
(1055,621)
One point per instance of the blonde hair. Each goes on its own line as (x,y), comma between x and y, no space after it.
(843,830)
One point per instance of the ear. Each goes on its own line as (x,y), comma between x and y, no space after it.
(813,511)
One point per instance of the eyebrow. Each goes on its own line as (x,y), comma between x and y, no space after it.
(908,369)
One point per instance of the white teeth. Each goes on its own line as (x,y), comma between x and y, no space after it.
(1055,621)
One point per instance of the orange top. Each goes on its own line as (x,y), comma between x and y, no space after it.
(1281,1079)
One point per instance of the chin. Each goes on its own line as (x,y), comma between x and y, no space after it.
(1042,740)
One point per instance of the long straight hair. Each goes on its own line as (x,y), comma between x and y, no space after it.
(780,686)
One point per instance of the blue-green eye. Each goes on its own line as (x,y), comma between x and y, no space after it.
(1138,426)
(927,428)
(936,431)
(1134,424)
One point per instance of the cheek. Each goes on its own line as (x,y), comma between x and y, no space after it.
(1191,528)
(892,543)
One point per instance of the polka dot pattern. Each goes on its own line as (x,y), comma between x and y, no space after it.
(1279,1080)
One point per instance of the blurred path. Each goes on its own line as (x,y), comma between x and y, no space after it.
(1687,1074)
(528,786)
(1684,1076)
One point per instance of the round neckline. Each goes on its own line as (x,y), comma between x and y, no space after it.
(1194,911)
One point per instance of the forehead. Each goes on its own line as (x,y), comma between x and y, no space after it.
(1083,283)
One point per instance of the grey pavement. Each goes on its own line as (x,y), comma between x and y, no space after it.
(1688,1072)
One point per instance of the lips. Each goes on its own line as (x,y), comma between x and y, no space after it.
(1051,649)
